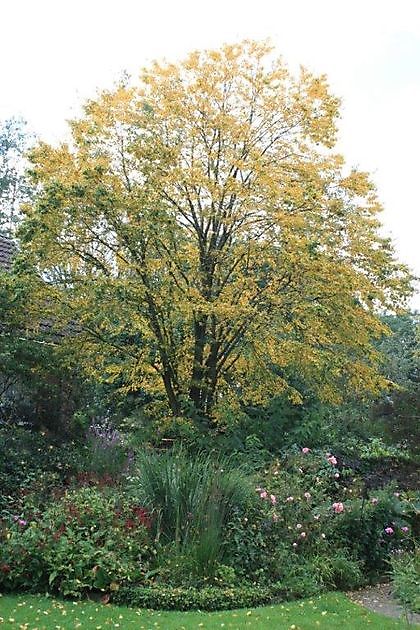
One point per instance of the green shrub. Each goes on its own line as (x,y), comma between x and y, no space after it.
(373,528)
(406,578)
(86,540)
(309,506)
(336,570)
(31,463)
(210,598)
(287,520)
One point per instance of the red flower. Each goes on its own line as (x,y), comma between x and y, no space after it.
(143,516)
(60,531)
(5,568)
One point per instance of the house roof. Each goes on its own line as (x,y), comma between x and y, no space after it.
(7,249)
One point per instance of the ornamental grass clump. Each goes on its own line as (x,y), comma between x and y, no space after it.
(191,499)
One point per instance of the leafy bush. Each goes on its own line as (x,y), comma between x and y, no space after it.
(211,598)
(86,540)
(337,570)
(406,578)
(30,462)
(373,528)
(311,507)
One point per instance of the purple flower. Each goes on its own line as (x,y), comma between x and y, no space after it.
(389,531)
(22,522)
(405,529)
(104,435)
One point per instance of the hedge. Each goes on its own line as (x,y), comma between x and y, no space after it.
(209,598)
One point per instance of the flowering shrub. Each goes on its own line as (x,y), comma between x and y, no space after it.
(375,528)
(106,452)
(304,511)
(306,523)
(86,540)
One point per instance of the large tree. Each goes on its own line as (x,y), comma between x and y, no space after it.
(209,241)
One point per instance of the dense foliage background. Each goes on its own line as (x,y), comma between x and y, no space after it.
(209,390)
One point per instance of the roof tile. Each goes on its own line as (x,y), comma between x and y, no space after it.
(7,248)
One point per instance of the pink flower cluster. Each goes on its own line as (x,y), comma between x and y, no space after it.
(264,495)
(338,507)
(390,530)
(331,459)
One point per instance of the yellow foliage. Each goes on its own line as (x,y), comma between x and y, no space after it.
(207,239)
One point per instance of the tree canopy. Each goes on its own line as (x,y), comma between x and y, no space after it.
(207,239)
(14,188)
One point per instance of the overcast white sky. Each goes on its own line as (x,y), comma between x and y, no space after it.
(56,53)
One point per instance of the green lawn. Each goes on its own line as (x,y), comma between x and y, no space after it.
(332,611)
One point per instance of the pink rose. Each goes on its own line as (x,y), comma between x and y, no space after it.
(306,450)
(263,494)
(389,531)
(273,499)
(338,507)
(374,501)
(405,529)
(303,535)
(332,460)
